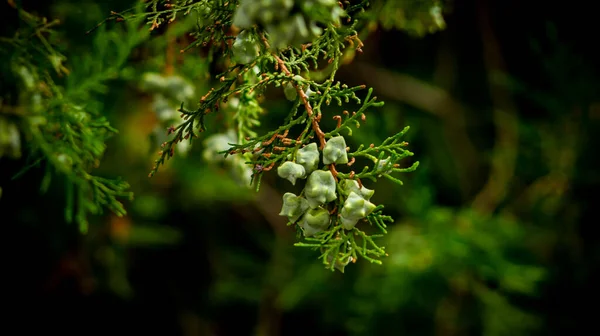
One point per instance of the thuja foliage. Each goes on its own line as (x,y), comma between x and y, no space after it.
(258,45)
(282,44)
(55,113)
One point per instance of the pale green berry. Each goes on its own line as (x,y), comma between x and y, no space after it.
(309,93)
(381,164)
(273,10)
(293,207)
(326,10)
(314,221)
(241,19)
(245,49)
(320,188)
(255,70)
(315,30)
(280,34)
(240,170)
(179,89)
(354,209)
(245,15)
(217,143)
(152,81)
(10,139)
(206,10)
(292,31)
(290,91)
(233,103)
(436,14)
(301,29)
(336,13)
(335,151)
(27,77)
(291,171)
(349,186)
(308,157)
(65,160)
(164,108)
(81,116)
(37,103)
(183,148)
(339,265)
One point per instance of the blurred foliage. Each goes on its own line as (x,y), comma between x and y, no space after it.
(60,119)
(417,18)
(493,233)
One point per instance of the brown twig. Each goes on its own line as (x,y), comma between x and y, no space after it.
(339,120)
(333,171)
(314,119)
(360,185)
(268,142)
(282,136)
(269,167)
(315,124)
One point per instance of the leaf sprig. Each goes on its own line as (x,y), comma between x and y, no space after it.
(61,124)
(327,223)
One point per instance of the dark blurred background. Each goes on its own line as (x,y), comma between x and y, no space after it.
(493,232)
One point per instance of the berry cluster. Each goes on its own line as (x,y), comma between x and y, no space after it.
(168,92)
(245,109)
(309,209)
(215,144)
(10,137)
(287,22)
